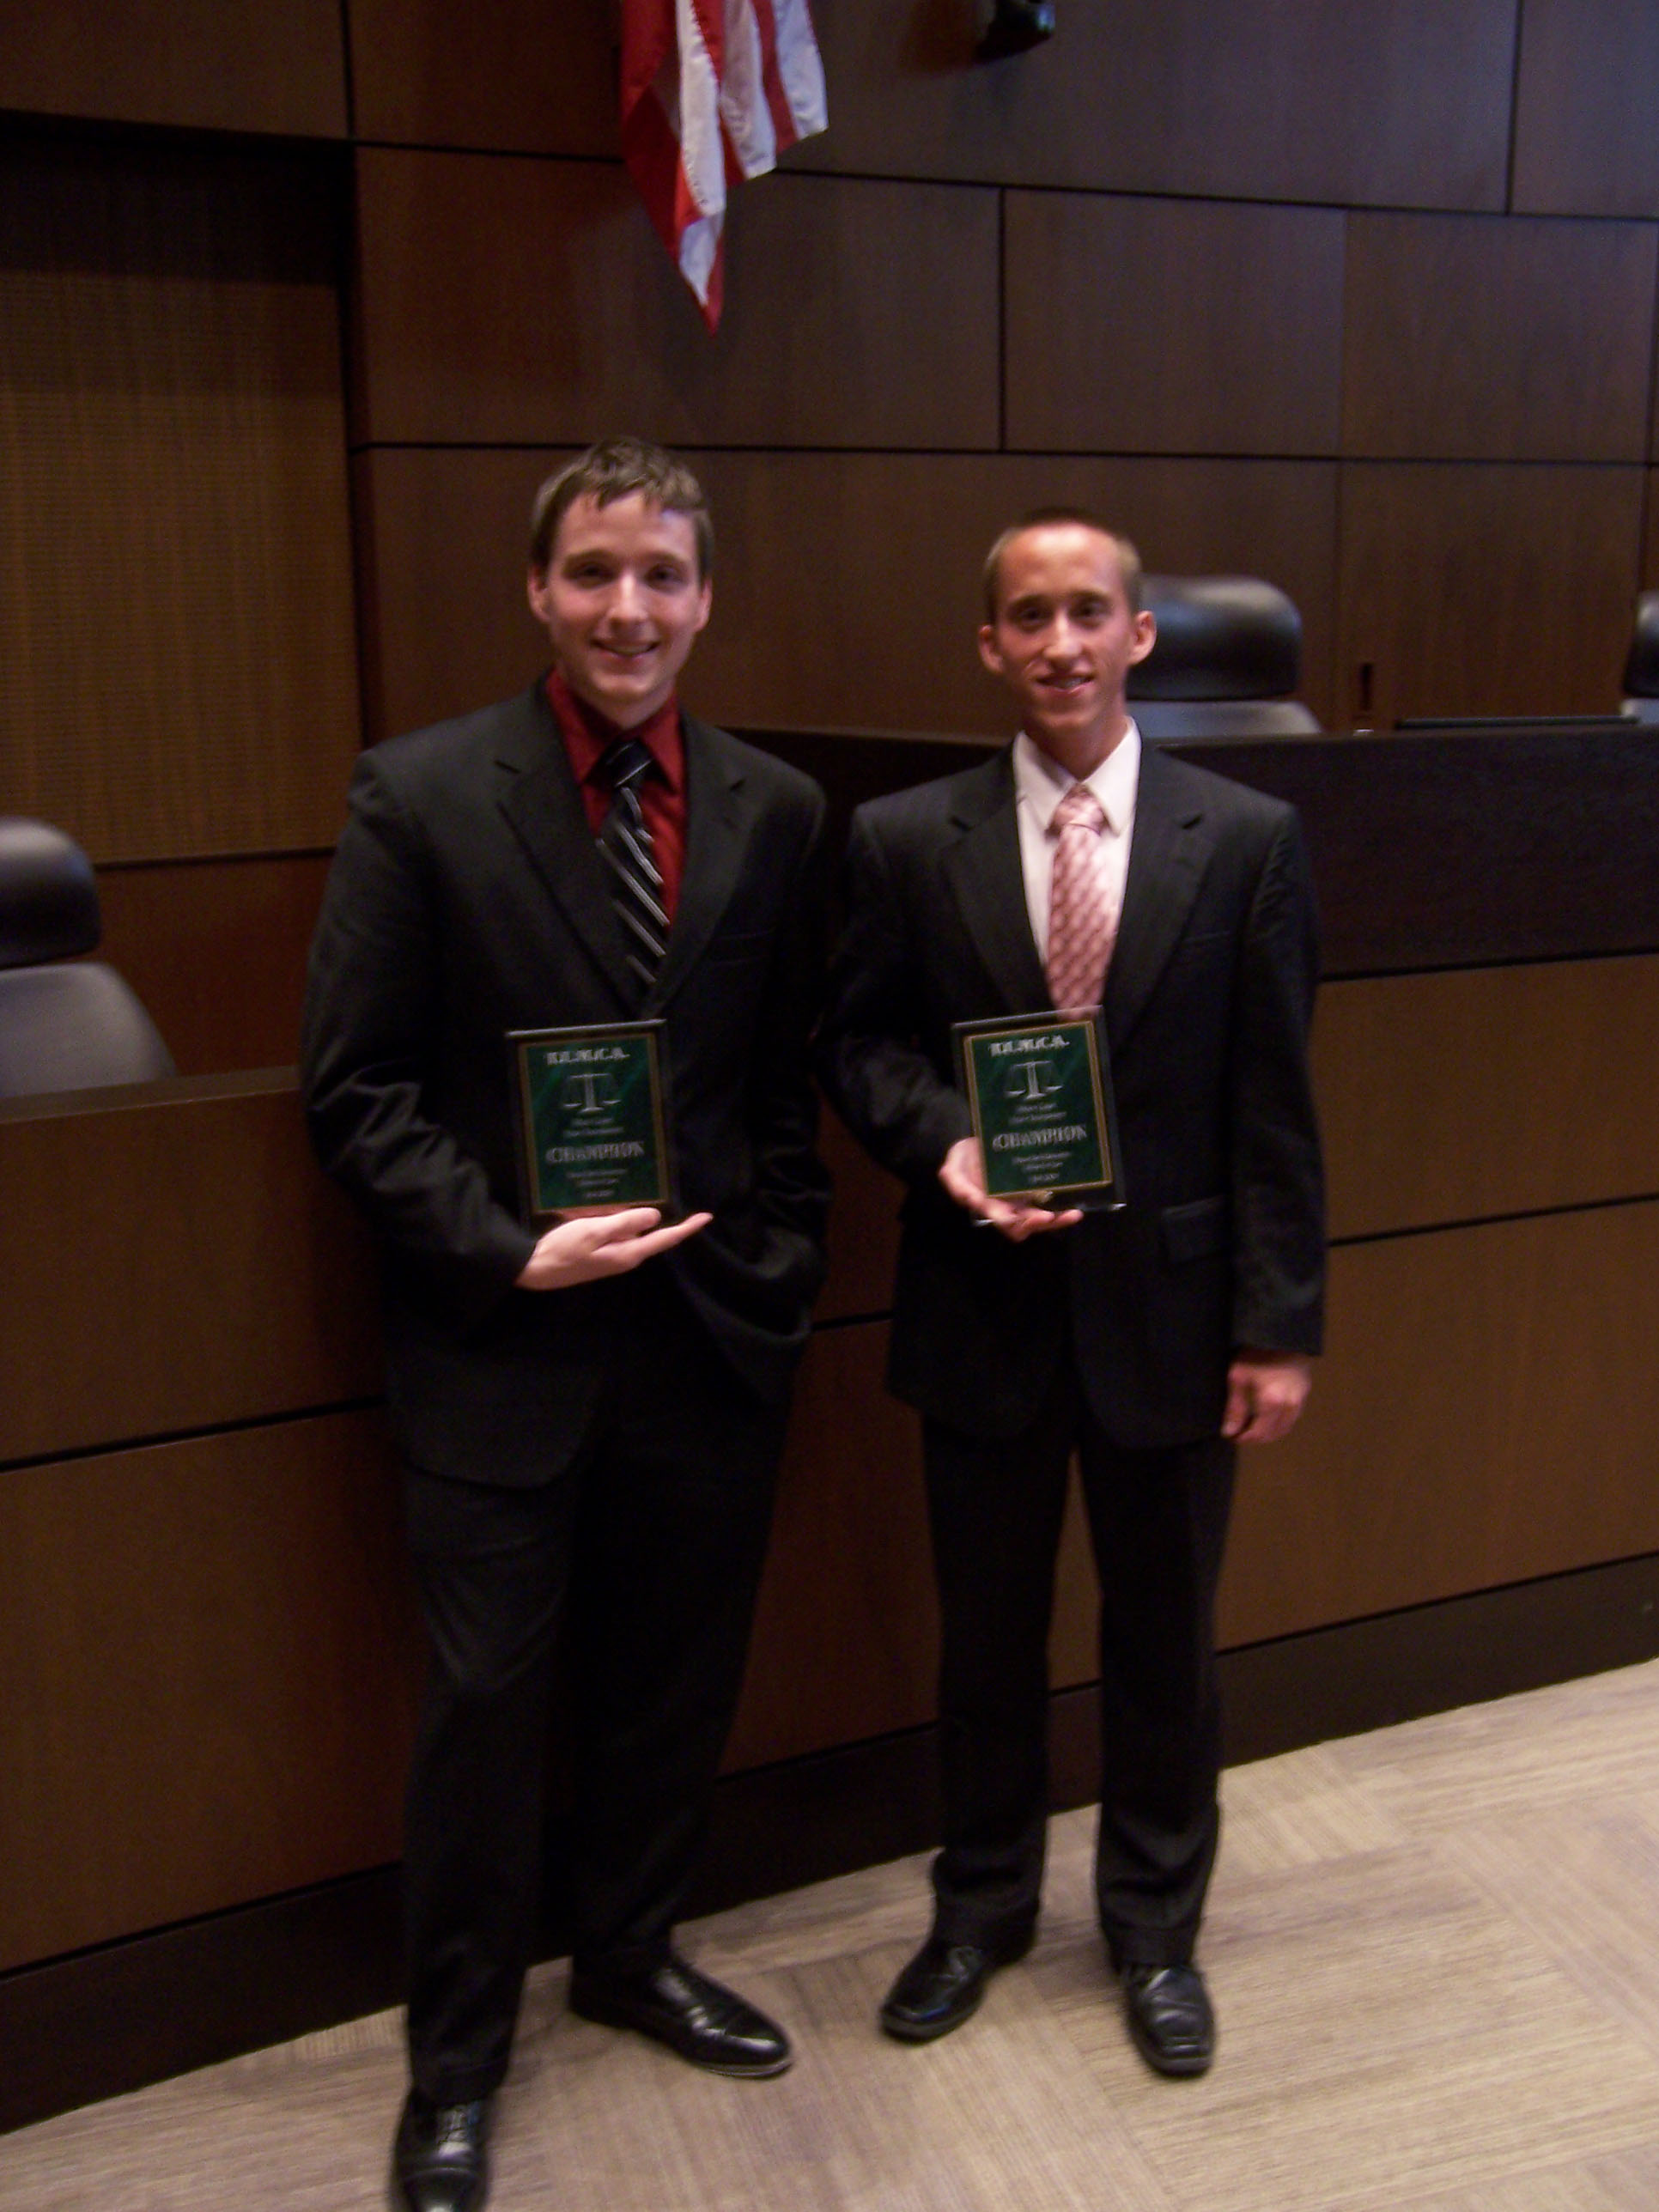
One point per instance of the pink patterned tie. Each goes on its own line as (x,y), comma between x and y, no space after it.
(1082,912)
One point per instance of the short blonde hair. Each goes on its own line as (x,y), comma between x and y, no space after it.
(1043,518)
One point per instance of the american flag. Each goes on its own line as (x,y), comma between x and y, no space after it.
(711,90)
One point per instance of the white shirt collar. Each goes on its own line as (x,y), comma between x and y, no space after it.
(1040,783)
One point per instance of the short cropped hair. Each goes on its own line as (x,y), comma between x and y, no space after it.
(1042,518)
(612,469)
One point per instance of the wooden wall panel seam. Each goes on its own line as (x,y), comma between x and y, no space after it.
(1484,1416)
(1314,203)
(107,1447)
(1495,217)
(694,448)
(151,862)
(1488,587)
(226,1623)
(1481,965)
(1404,1613)
(1452,1226)
(1515,109)
(857,314)
(348,91)
(240,70)
(448,147)
(170,382)
(1583,105)
(1400,99)
(1002,319)
(848,586)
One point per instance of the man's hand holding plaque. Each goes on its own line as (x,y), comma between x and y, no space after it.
(592,1122)
(583,1250)
(1040,1098)
(961,1171)
(593,1159)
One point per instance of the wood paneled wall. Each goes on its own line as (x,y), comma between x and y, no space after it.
(208,1660)
(1361,300)
(273,65)
(206,1645)
(178,634)
(177,651)
(870,604)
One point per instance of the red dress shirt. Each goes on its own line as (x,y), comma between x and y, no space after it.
(587,734)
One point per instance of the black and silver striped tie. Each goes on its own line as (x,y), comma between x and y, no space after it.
(625,848)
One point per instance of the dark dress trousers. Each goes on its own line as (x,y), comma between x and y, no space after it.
(619,1439)
(1112,1338)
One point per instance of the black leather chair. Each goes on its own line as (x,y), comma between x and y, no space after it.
(1641,700)
(1227,659)
(66,1024)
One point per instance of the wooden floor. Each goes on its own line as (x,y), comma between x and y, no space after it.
(1435,1955)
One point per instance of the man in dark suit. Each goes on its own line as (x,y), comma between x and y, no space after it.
(1149,1341)
(599,1409)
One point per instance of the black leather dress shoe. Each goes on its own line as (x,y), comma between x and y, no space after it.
(942,1986)
(439,2158)
(712,2026)
(1170,2021)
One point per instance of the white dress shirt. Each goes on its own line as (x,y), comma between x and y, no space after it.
(1040,784)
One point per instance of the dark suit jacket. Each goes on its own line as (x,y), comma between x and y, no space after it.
(467,899)
(1207,1002)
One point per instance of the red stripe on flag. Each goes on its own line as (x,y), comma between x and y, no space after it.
(735,172)
(648,39)
(653,155)
(716,300)
(662,114)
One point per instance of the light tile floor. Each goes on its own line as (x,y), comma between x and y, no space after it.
(1435,1955)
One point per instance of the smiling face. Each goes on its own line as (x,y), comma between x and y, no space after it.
(622,601)
(1065,639)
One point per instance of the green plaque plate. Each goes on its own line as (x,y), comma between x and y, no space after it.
(592,1125)
(1040,1095)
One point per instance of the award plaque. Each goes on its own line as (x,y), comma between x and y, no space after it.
(592,1129)
(1041,1098)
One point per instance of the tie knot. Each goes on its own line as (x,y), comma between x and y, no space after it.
(1080,810)
(625,761)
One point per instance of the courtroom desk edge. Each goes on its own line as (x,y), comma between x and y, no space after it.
(1427,848)
(165,1091)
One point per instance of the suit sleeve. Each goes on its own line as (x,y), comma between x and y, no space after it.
(1278,1192)
(872,1060)
(372,1013)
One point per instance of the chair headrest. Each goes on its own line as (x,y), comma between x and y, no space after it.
(1219,637)
(1642,669)
(48,899)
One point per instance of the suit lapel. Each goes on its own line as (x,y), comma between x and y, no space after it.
(717,830)
(988,884)
(1167,859)
(540,799)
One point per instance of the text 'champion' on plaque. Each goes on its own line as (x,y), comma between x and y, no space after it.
(592,1116)
(1040,1095)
